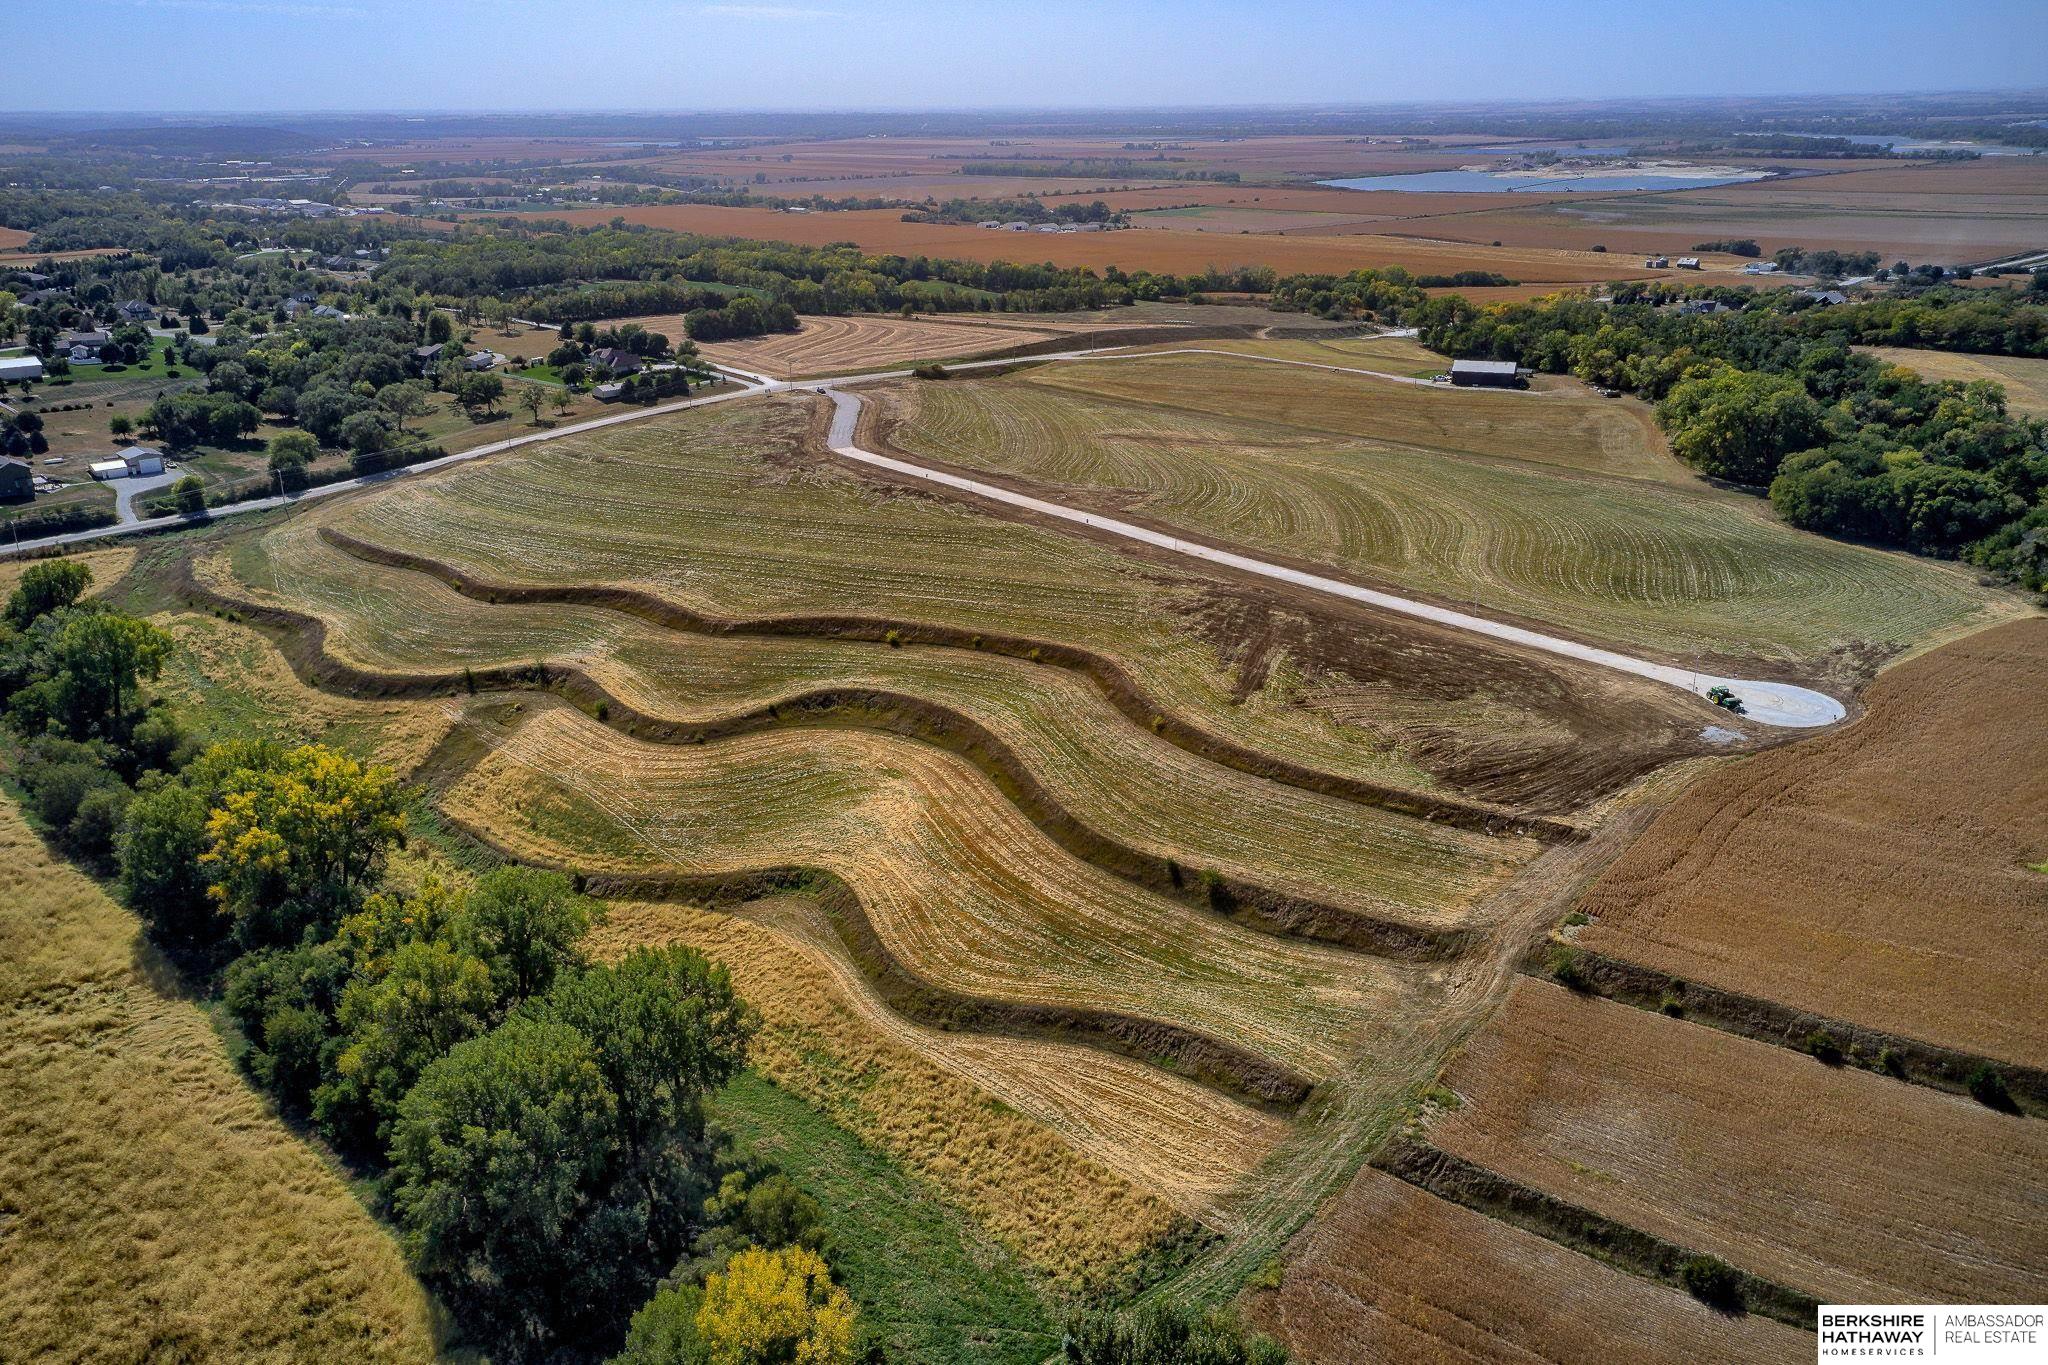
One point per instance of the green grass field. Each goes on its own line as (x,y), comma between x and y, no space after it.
(1437,504)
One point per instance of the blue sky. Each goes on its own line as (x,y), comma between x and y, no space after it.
(115,55)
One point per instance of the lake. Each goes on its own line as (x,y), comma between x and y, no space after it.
(1533,182)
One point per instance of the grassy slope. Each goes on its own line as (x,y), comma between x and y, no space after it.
(1372,479)
(2025,380)
(150,1205)
(931,1287)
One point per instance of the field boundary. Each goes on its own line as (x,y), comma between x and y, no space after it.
(1768,1021)
(1458,1181)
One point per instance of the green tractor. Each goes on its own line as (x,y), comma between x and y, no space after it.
(1725,698)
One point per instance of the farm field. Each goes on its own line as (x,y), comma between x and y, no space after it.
(2025,379)
(1159,251)
(957,883)
(728,516)
(1653,1122)
(945,1105)
(1420,491)
(1119,777)
(153,1203)
(1876,894)
(1954,213)
(838,345)
(1390,1273)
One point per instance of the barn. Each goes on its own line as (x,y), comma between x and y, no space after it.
(1491,374)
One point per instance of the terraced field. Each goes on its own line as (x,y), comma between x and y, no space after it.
(958,884)
(722,511)
(829,345)
(1435,501)
(1655,1123)
(1884,864)
(1115,776)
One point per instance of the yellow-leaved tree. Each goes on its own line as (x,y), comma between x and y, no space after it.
(775,1308)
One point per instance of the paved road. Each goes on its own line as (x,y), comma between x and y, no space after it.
(1771,703)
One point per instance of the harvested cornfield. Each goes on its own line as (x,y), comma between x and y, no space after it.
(2025,379)
(1111,774)
(981,1118)
(958,885)
(1391,1274)
(1435,492)
(721,511)
(840,345)
(231,681)
(1658,1124)
(1882,865)
(151,1206)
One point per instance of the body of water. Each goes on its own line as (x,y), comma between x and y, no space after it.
(1917,144)
(1532,182)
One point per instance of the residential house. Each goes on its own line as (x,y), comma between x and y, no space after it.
(425,358)
(135,310)
(17,480)
(482,360)
(328,310)
(615,362)
(1824,298)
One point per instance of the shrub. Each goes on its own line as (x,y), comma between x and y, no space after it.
(1824,1047)
(1565,969)
(1712,1281)
(1988,1088)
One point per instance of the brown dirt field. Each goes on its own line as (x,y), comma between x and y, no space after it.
(1389,1273)
(1173,252)
(1886,865)
(13,239)
(1849,1185)
(2025,380)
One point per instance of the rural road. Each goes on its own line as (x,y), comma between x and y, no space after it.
(1771,703)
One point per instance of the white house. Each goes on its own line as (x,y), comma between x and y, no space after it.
(132,463)
(20,367)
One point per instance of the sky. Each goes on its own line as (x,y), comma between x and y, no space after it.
(414,55)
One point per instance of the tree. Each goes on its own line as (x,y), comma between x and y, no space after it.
(120,426)
(525,924)
(1739,425)
(365,433)
(101,659)
(440,329)
(479,394)
(499,1159)
(161,877)
(772,1307)
(189,495)
(533,400)
(561,400)
(295,837)
(667,1030)
(404,400)
(428,997)
(291,455)
(51,585)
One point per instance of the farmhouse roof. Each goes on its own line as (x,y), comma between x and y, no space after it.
(616,360)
